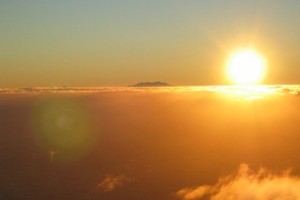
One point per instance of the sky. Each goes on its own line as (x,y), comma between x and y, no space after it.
(118,43)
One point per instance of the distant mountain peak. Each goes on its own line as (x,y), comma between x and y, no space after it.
(151,84)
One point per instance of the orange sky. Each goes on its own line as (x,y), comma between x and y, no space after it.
(104,43)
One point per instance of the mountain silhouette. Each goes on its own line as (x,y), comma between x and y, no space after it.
(151,84)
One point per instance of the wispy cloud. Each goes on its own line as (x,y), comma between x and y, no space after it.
(247,184)
(110,182)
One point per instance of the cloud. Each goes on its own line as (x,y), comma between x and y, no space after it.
(231,90)
(247,184)
(193,193)
(110,183)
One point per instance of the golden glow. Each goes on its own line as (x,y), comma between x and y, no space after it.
(246,67)
(248,92)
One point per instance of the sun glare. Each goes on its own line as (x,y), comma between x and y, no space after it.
(246,67)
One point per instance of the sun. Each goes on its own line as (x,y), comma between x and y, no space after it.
(246,67)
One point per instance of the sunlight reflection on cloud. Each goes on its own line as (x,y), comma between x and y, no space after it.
(247,184)
(234,92)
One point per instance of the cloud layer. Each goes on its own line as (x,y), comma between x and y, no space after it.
(231,90)
(247,184)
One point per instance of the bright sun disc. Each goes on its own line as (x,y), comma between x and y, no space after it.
(246,67)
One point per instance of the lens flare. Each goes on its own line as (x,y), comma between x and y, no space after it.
(62,129)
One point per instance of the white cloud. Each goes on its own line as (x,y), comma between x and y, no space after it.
(246,184)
